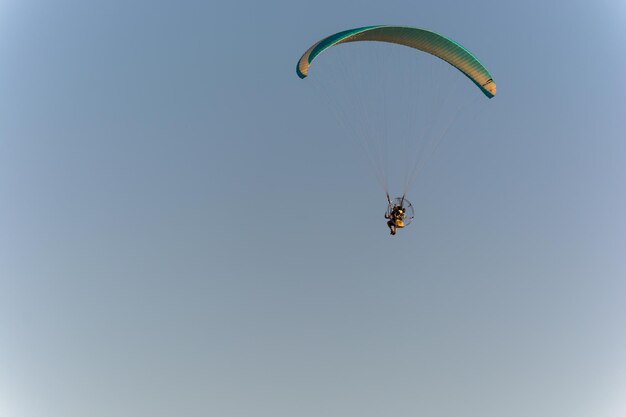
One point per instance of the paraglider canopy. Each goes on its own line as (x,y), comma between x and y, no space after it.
(420,39)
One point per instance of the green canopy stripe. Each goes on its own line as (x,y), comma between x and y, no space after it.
(420,39)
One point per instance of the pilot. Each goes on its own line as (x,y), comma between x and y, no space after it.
(396,218)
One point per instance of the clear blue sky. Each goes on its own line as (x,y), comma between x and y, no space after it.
(147,146)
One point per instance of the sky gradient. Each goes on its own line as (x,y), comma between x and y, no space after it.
(148,147)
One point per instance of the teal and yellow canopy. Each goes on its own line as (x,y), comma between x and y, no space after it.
(420,39)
